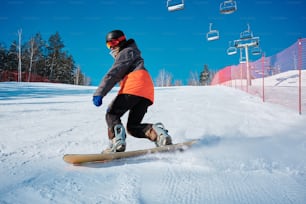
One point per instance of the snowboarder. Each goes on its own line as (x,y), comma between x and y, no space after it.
(136,94)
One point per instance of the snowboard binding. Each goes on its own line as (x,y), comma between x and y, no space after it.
(163,138)
(117,144)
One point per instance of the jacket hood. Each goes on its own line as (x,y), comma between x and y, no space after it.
(128,43)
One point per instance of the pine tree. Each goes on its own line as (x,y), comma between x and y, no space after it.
(204,76)
(65,73)
(59,63)
(53,62)
(40,55)
(12,57)
(3,57)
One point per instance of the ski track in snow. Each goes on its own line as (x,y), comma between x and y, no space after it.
(241,157)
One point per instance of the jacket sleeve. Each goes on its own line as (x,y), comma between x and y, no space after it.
(117,72)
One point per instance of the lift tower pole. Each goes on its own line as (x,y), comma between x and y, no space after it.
(246,44)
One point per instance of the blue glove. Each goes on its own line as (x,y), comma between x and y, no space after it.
(97,100)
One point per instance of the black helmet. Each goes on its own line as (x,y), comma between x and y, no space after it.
(113,35)
(115,38)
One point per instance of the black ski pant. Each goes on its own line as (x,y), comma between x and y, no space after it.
(137,107)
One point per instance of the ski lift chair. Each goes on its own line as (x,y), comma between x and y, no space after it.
(247,34)
(231,50)
(212,34)
(228,7)
(175,6)
(256,50)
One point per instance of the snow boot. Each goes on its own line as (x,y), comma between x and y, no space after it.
(159,135)
(117,144)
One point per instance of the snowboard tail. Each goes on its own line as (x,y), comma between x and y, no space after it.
(78,159)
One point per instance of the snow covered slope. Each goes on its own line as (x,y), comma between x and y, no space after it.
(249,151)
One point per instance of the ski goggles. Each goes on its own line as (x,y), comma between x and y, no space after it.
(114,42)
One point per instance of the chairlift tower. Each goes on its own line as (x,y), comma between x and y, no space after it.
(245,42)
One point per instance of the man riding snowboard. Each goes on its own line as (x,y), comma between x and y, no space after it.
(136,94)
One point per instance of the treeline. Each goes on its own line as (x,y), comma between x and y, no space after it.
(205,77)
(39,60)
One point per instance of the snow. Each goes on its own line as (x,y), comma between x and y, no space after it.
(249,151)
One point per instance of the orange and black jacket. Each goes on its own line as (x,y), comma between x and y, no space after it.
(129,70)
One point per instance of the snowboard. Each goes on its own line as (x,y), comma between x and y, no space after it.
(79,159)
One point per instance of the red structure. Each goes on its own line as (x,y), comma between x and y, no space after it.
(291,61)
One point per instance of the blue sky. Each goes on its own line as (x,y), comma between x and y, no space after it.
(174,41)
